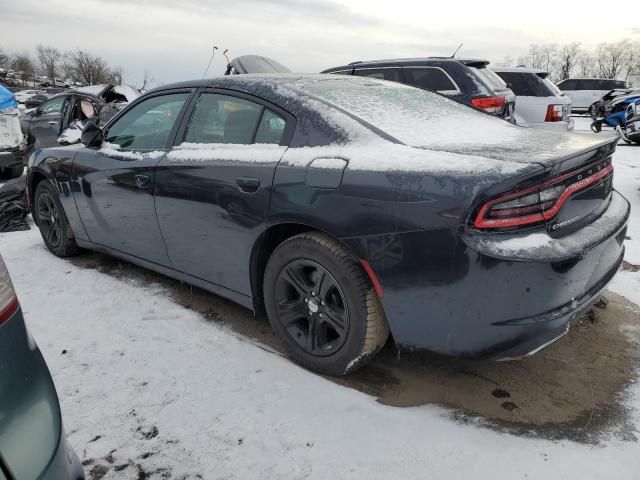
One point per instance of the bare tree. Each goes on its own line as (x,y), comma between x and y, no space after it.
(147,80)
(548,54)
(613,58)
(568,58)
(49,59)
(116,75)
(4,58)
(83,67)
(586,65)
(22,62)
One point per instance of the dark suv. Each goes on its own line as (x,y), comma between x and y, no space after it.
(466,80)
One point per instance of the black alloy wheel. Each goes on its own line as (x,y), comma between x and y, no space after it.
(52,221)
(322,305)
(312,307)
(49,220)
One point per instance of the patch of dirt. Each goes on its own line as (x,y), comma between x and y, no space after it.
(629,267)
(572,389)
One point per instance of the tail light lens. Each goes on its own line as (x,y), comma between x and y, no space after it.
(8,299)
(539,203)
(493,105)
(554,113)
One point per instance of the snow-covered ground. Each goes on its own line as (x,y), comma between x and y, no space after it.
(149,386)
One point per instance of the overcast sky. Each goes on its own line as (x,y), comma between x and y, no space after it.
(173,39)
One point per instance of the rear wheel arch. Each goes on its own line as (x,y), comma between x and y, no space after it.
(264,247)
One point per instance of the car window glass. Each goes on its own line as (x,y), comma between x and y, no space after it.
(271,128)
(147,125)
(492,80)
(223,119)
(392,74)
(53,106)
(428,77)
(527,84)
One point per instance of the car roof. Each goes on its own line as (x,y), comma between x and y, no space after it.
(470,62)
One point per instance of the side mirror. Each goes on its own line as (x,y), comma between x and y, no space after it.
(91,135)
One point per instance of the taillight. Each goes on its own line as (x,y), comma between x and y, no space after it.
(539,203)
(493,105)
(554,113)
(8,299)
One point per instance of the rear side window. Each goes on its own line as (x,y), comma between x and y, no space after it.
(226,119)
(392,74)
(527,84)
(489,77)
(430,78)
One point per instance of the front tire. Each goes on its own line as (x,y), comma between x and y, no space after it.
(322,306)
(52,221)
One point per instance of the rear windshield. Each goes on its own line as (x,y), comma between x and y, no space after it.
(527,84)
(489,77)
(407,113)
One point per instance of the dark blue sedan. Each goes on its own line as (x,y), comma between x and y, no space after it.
(347,208)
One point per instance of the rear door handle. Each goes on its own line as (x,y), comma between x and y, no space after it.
(52,123)
(142,181)
(248,184)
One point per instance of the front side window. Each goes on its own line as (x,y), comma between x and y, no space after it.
(147,125)
(430,78)
(225,119)
(53,106)
(391,74)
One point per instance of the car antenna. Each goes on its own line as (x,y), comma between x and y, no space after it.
(454,53)
(213,52)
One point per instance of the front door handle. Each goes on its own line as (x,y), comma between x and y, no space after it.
(52,123)
(248,184)
(142,181)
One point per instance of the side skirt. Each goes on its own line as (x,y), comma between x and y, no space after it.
(239,298)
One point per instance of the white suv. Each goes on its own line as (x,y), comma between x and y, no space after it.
(584,91)
(539,103)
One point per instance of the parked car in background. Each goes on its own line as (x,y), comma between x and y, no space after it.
(584,91)
(347,207)
(61,119)
(466,80)
(33,445)
(36,101)
(23,95)
(539,103)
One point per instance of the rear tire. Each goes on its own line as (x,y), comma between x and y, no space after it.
(322,306)
(52,221)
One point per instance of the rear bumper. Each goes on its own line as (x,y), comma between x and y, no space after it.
(474,298)
(65,464)
(559,126)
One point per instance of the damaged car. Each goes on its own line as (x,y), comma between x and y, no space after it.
(12,143)
(348,208)
(60,120)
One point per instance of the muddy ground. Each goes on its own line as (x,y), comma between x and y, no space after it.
(573,389)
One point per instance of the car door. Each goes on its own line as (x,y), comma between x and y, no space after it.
(46,122)
(213,189)
(115,182)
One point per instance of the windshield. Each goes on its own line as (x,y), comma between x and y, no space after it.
(490,78)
